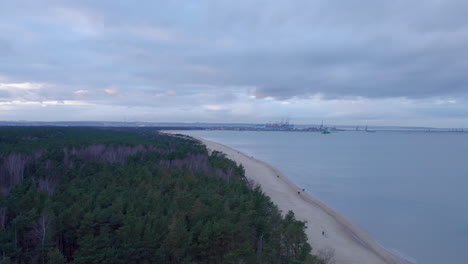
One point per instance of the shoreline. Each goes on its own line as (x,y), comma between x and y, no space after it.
(326,229)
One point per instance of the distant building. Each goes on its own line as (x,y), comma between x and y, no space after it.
(282,125)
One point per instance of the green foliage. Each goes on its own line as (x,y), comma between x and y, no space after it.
(169,202)
(55,257)
(6,260)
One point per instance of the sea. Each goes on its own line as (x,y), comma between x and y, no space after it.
(408,190)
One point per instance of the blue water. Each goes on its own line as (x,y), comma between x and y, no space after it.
(408,190)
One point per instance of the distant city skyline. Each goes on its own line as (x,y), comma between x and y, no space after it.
(368,62)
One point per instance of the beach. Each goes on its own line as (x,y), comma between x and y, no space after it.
(327,231)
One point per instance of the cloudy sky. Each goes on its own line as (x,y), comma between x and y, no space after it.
(351,62)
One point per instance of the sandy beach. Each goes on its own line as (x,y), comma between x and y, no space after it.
(326,229)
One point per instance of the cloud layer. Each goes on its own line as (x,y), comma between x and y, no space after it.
(244,61)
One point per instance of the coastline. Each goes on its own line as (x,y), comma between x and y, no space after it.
(350,244)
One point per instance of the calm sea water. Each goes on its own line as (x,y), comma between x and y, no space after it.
(408,190)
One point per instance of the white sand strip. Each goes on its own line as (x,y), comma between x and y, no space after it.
(351,244)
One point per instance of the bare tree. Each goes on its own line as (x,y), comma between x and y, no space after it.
(39,233)
(47,184)
(327,255)
(12,170)
(13,165)
(252,184)
(39,230)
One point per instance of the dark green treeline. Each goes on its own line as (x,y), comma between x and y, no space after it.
(89,195)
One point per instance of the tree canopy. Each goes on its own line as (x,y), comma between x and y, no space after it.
(93,195)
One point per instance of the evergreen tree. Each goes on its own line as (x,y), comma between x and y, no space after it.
(133,196)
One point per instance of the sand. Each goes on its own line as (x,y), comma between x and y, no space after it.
(351,245)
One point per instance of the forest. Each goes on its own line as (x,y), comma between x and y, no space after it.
(133,195)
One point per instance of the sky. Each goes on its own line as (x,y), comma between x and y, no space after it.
(355,62)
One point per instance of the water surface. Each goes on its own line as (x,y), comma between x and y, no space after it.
(408,190)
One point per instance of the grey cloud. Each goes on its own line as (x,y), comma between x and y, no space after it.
(4,95)
(281,49)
